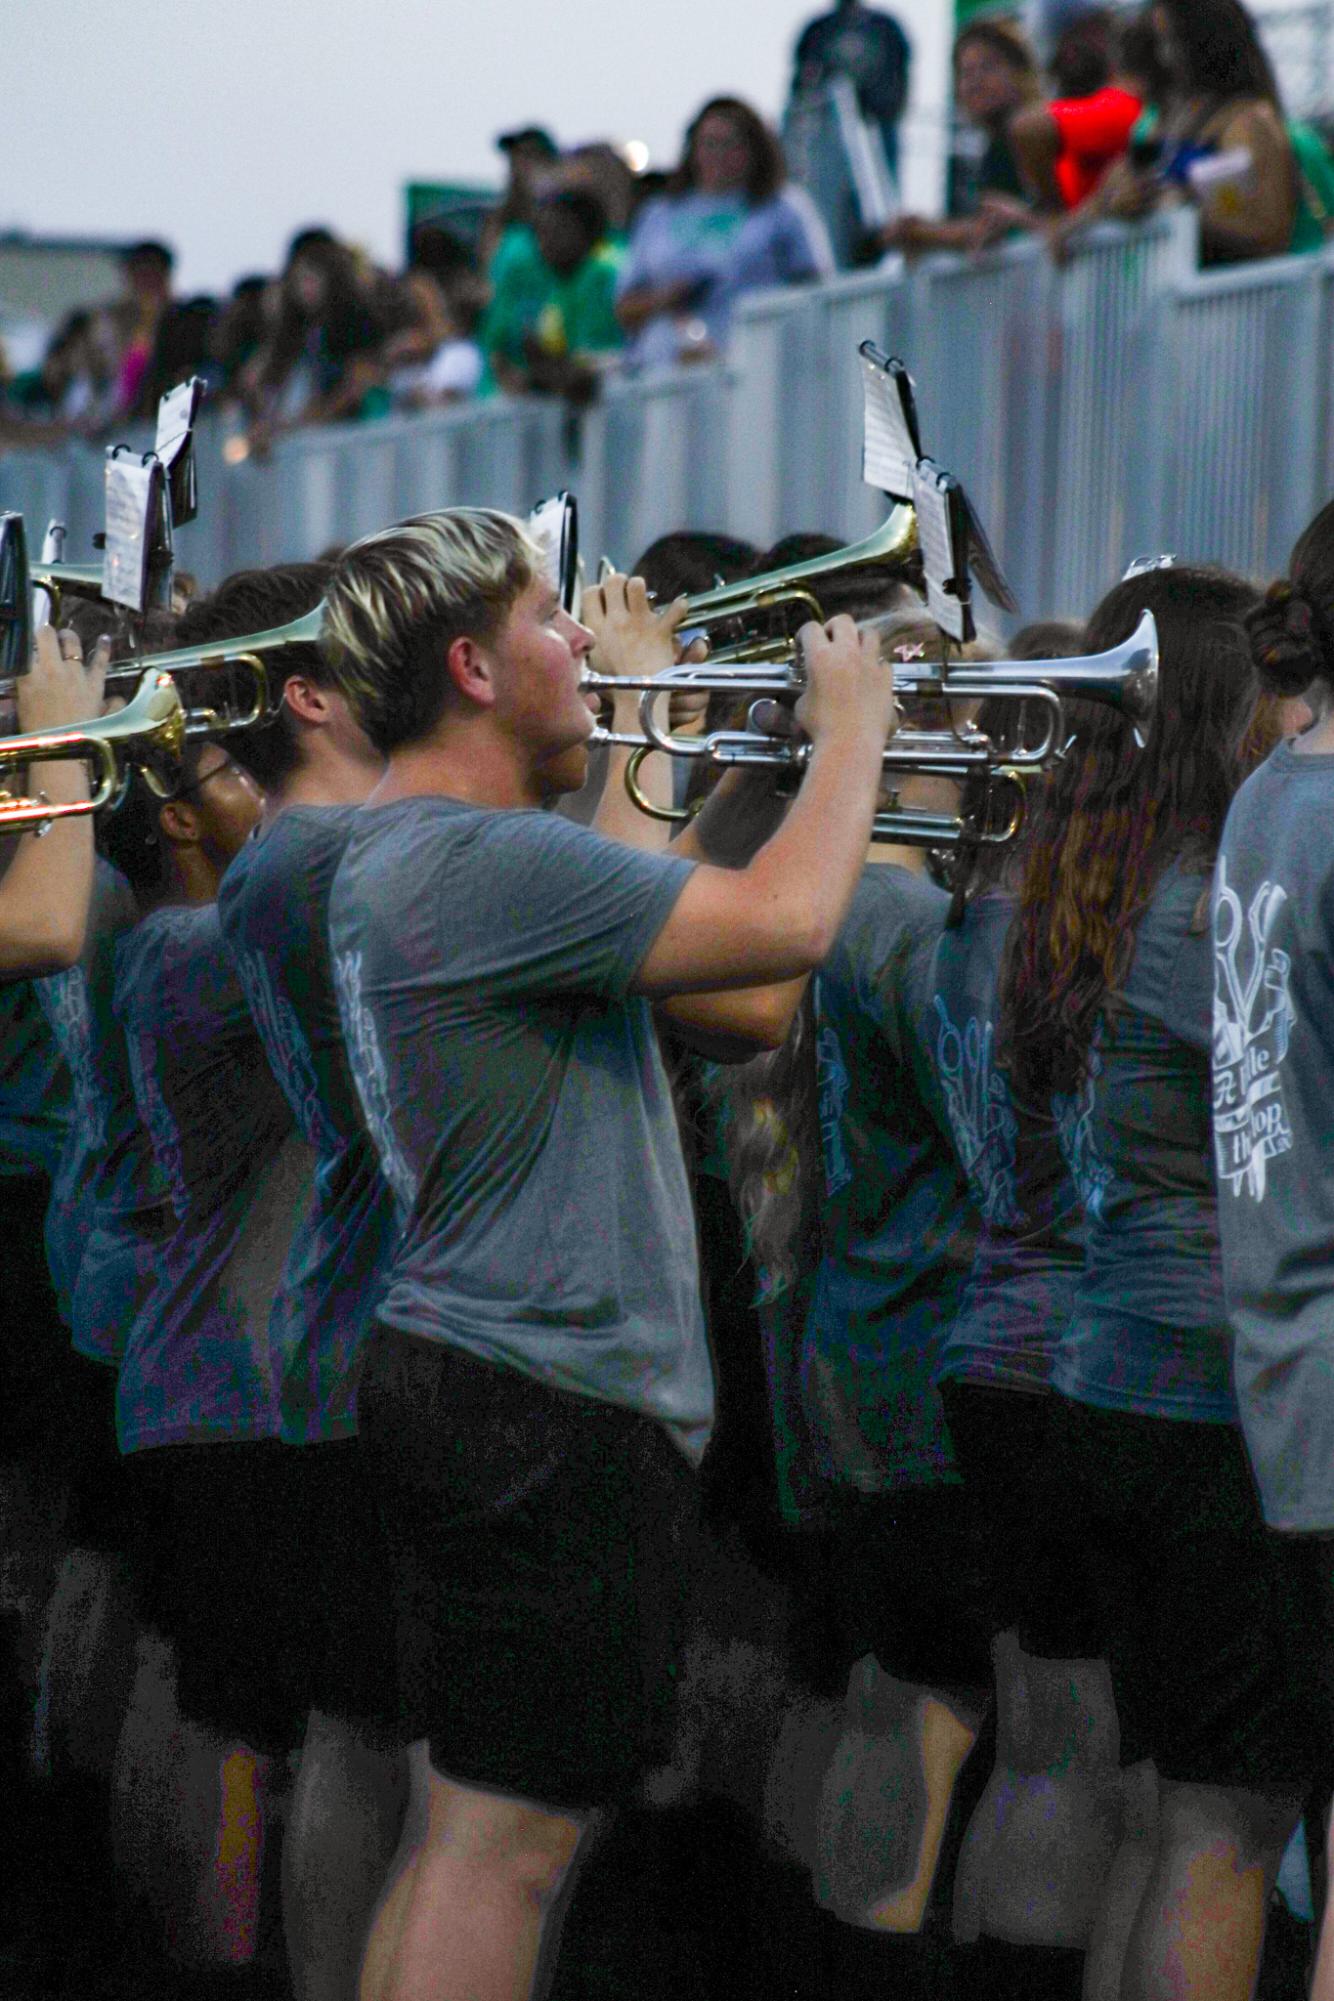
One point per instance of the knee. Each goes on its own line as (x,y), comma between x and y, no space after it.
(527,1847)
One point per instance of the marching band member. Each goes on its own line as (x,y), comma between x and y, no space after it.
(540,1383)
(317,765)
(195,1406)
(1107,997)
(895,1680)
(1271,1091)
(1041,1838)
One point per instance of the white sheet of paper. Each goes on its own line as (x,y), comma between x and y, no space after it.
(130,501)
(889,455)
(175,415)
(939,558)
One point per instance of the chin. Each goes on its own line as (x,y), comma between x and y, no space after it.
(566,772)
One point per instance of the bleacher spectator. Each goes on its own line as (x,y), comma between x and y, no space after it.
(551,324)
(321,357)
(870,48)
(996,76)
(530,155)
(1221,141)
(1065,148)
(146,270)
(434,357)
(728,225)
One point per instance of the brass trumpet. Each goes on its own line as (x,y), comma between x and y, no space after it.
(1125,678)
(248,651)
(153,721)
(894,541)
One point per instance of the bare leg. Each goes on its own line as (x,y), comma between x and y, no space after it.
(346,1819)
(86,1669)
(187,1822)
(1322,1983)
(1200,1929)
(1123,1891)
(885,1798)
(1042,1839)
(465,1918)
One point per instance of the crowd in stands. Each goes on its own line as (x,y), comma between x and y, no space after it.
(585,266)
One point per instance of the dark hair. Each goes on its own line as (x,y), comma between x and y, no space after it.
(255,601)
(685,563)
(1112,817)
(1220,50)
(583,205)
(1082,60)
(861,593)
(1139,55)
(182,346)
(1292,631)
(767,170)
(149,251)
(348,321)
(1007,40)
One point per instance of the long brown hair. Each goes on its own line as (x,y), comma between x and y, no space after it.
(1113,818)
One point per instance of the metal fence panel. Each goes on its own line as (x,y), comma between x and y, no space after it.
(1241,459)
(1102,315)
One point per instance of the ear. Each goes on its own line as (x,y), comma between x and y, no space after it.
(308,702)
(179,823)
(471,672)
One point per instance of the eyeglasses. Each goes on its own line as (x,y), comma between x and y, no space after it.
(229,768)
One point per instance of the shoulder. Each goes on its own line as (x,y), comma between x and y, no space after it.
(892,911)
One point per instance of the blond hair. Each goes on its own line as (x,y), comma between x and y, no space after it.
(398,599)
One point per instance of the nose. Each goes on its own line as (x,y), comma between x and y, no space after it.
(579,638)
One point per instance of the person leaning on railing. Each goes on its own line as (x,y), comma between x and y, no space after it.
(1221,108)
(995,77)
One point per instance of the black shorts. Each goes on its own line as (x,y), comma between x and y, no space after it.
(901,1576)
(102,1499)
(541,1550)
(1202,1616)
(36,1360)
(262,1564)
(1031,1548)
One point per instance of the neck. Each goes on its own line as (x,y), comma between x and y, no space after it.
(467,761)
(194,878)
(326,777)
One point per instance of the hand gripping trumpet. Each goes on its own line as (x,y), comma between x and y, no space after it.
(1125,678)
(152,724)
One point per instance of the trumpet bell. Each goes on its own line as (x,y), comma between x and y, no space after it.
(153,724)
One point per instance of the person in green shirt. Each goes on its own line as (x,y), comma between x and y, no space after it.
(552,321)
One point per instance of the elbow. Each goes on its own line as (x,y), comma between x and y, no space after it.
(813,940)
(42,950)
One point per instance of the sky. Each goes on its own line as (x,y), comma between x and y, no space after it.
(224,128)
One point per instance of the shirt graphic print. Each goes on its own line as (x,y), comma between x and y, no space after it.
(981,1116)
(1253,1023)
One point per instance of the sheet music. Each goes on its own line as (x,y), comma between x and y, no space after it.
(933,498)
(176,413)
(132,500)
(890,451)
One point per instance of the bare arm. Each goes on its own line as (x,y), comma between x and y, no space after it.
(45,890)
(1255,221)
(1035,141)
(777,919)
(635,308)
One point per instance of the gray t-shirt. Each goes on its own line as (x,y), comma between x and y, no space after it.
(518,1101)
(1273,1070)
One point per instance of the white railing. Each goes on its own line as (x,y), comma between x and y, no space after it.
(1119,404)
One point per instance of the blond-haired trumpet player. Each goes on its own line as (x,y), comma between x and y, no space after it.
(539,1385)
